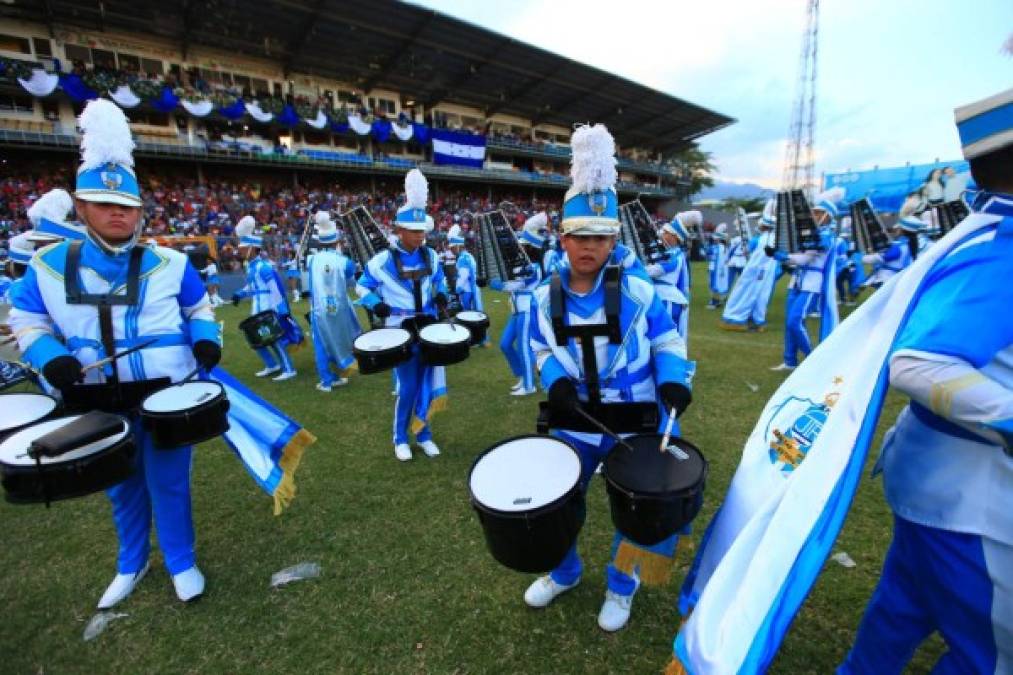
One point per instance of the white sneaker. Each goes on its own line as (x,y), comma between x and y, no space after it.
(340,382)
(288,375)
(519,384)
(544,590)
(323,387)
(267,371)
(615,611)
(523,392)
(189,584)
(122,586)
(403,451)
(429,448)
(782,367)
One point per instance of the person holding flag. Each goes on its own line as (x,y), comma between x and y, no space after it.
(746,309)
(947,463)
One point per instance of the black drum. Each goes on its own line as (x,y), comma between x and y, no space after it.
(654,494)
(444,344)
(382,349)
(476,322)
(18,411)
(185,414)
(526,491)
(263,329)
(92,452)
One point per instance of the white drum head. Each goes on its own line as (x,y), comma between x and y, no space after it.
(382,339)
(472,316)
(14,450)
(22,409)
(445,334)
(177,397)
(525,474)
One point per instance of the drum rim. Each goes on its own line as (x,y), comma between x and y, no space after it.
(400,346)
(657,496)
(10,430)
(533,513)
(214,400)
(57,462)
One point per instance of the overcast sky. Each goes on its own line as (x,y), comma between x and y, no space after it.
(890,71)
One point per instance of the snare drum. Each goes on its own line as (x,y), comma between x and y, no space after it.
(262,329)
(653,494)
(185,414)
(443,344)
(526,491)
(20,410)
(476,322)
(89,468)
(382,349)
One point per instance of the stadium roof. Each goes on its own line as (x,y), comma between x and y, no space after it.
(420,53)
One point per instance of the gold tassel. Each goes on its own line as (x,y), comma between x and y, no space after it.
(654,569)
(675,667)
(291,456)
(436,405)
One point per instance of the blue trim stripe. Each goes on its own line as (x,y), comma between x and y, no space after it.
(986,124)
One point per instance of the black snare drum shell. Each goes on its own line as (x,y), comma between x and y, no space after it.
(371,362)
(434,354)
(81,477)
(647,505)
(187,427)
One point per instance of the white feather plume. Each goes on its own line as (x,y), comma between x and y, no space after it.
(454,231)
(593,165)
(245,226)
(690,218)
(322,219)
(416,190)
(54,206)
(770,210)
(834,195)
(537,223)
(105,135)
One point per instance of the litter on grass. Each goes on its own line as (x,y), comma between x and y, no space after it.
(843,559)
(752,387)
(306,570)
(99,623)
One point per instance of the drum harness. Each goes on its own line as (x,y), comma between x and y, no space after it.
(624,417)
(414,276)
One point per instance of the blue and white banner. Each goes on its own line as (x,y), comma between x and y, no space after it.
(800,467)
(459,148)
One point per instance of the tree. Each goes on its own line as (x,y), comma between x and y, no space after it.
(751,205)
(694,164)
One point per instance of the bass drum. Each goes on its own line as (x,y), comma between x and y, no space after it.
(444,344)
(476,322)
(185,414)
(526,491)
(382,349)
(654,494)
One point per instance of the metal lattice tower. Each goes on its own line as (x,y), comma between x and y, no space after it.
(798,158)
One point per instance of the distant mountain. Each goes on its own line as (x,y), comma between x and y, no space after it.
(731,191)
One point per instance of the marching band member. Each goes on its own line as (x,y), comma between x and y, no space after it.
(649,366)
(212,282)
(901,252)
(467,272)
(553,256)
(738,254)
(267,293)
(72,287)
(717,267)
(812,286)
(293,276)
(515,342)
(671,274)
(948,461)
(746,309)
(334,323)
(405,284)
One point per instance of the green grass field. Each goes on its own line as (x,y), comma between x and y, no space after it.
(407,584)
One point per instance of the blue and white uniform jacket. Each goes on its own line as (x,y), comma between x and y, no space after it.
(810,266)
(380,282)
(172,307)
(671,276)
(890,262)
(522,290)
(264,287)
(651,353)
(944,463)
(466,274)
(737,252)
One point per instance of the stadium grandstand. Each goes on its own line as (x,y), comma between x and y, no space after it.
(286,104)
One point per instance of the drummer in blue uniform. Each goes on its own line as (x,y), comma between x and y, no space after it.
(648,365)
(671,273)
(948,461)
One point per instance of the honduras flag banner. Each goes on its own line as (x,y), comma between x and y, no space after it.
(764,548)
(458,147)
(267,442)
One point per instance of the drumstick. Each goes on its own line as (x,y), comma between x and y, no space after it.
(604,429)
(110,359)
(190,376)
(675,450)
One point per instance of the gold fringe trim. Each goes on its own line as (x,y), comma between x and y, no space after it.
(654,569)
(289,462)
(437,405)
(675,667)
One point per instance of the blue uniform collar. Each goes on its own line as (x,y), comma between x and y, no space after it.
(995,203)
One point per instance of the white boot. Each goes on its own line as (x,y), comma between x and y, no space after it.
(270,370)
(403,451)
(615,611)
(782,367)
(287,375)
(520,384)
(122,586)
(544,590)
(189,584)
(429,448)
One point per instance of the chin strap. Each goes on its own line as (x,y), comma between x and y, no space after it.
(116,249)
